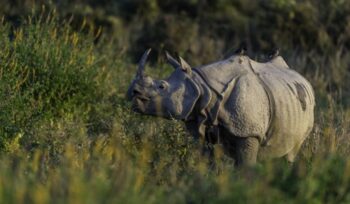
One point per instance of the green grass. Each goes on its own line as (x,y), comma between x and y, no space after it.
(67,133)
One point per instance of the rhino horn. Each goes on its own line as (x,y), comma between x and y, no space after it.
(173,62)
(142,63)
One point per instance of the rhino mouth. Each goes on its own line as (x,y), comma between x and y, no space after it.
(142,98)
(139,103)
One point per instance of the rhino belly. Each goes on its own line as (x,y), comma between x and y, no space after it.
(292,101)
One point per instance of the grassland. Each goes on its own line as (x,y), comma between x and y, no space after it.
(67,133)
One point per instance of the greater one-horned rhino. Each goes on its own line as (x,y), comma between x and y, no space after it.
(254,110)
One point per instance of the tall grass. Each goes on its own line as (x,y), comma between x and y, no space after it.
(68,135)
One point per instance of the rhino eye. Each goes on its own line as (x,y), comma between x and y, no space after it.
(162,85)
(148,81)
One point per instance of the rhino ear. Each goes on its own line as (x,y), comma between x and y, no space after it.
(185,66)
(180,63)
(173,62)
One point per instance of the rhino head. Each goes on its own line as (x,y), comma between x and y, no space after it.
(174,97)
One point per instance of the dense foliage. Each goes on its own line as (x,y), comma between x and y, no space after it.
(207,28)
(67,134)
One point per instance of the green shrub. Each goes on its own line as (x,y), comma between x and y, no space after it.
(48,71)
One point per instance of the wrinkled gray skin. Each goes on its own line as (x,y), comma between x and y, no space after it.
(254,110)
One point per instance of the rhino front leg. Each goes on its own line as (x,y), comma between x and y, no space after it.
(246,151)
(200,135)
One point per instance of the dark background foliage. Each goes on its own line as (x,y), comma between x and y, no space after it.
(207,29)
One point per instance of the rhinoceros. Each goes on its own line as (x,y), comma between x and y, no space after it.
(254,110)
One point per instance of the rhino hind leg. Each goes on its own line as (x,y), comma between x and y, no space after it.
(246,151)
(292,154)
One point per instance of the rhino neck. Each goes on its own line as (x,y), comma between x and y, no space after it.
(207,106)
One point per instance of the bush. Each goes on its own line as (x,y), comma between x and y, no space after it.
(48,72)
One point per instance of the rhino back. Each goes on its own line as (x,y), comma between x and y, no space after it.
(292,101)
